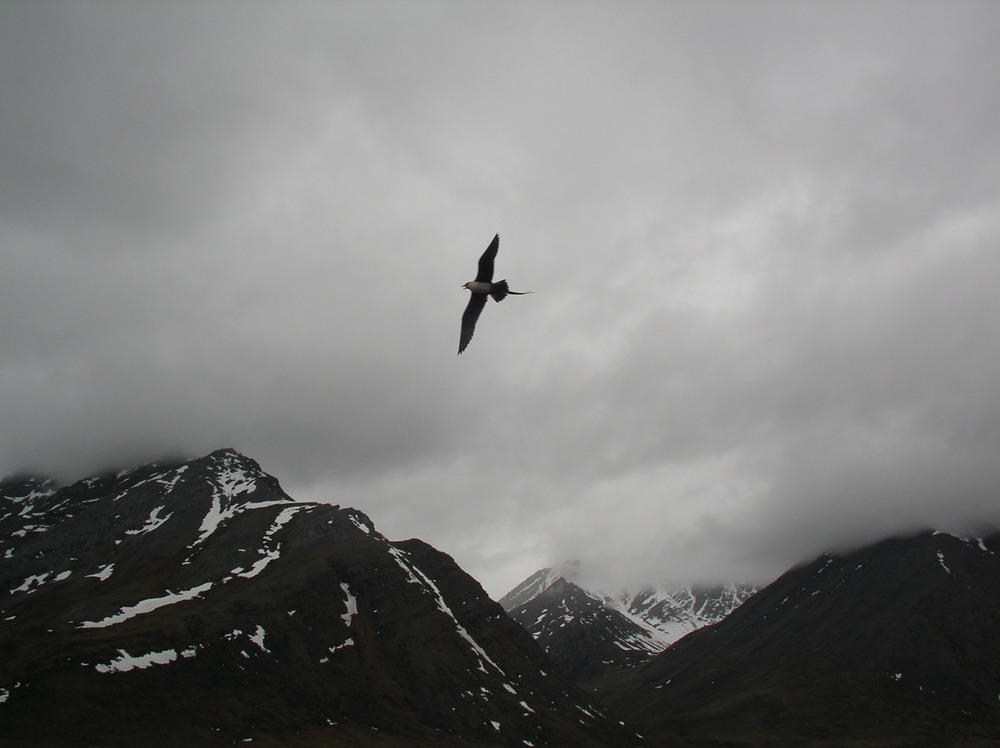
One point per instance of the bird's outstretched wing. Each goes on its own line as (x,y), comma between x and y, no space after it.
(485,274)
(471,314)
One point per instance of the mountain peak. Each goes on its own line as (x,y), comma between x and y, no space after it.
(590,634)
(231,456)
(197,603)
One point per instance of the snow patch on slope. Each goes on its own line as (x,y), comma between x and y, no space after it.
(146,606)
(268,554)
(352,604)
(152,522)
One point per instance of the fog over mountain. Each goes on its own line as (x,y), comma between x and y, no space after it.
(761,239)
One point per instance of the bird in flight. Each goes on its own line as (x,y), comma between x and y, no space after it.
(482,287)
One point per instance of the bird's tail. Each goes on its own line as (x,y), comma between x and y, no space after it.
(500,291)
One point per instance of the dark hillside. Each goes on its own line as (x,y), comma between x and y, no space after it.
(894,644)
(198,604)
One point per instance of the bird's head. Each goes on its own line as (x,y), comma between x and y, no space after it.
(466,285)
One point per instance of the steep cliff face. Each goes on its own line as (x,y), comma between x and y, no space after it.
(197,603)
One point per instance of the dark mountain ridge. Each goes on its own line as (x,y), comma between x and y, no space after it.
(198,604)
(893,644)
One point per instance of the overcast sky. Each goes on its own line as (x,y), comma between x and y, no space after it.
(763,240)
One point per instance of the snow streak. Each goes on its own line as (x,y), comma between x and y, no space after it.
(125,662)
(352,604)
(147,606)
(269,555)
(420,579)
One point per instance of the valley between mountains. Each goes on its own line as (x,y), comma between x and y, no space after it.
(196,603)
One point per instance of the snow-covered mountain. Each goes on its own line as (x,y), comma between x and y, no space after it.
(678,611)
(588,634)
(196,603)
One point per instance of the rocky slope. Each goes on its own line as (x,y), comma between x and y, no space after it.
(197,604)
(890,645)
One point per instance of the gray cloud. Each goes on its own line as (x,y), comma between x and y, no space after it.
(761,240)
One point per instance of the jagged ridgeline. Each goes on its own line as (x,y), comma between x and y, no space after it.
(198,604)
(589,634)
